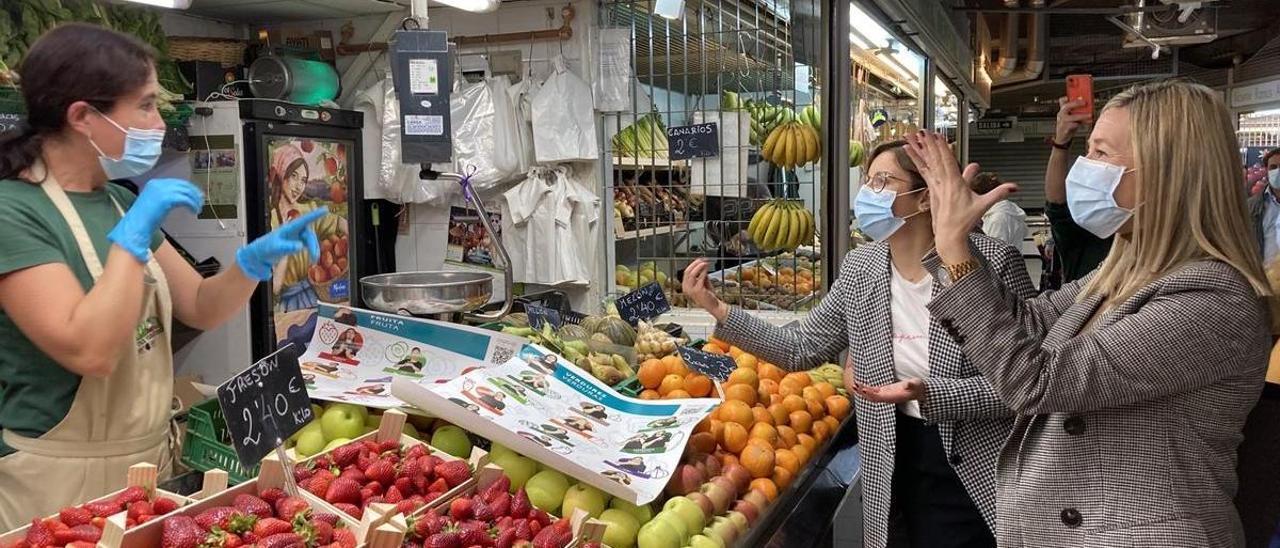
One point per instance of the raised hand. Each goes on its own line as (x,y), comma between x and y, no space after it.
(1067,123)
(898,392)
(697,288)
(955,207)
(258,257)
(134,231)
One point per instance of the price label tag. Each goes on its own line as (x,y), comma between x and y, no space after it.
(696,141)
(645,303)
(539,315)
(265,404)
(715,366)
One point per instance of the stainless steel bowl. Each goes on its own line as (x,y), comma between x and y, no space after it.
(424,293)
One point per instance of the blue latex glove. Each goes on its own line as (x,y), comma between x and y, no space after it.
(258,258)
(134,231)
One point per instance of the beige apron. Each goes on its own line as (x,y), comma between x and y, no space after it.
(113,423)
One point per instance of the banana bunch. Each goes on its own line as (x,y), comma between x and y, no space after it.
(830,373)
(810,115)
(765,118)
(731,101)
(856,152)
(781,225)
(646,138)
(791,145)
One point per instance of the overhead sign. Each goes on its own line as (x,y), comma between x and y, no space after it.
(994,124)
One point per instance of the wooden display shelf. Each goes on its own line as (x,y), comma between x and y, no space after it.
(657,230)
(636,162)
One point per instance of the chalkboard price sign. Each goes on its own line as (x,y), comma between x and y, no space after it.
(697,141)
(645,303)
(265,404)
(715,366)
(540,315)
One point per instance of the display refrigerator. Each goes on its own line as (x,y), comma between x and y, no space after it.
(262,163)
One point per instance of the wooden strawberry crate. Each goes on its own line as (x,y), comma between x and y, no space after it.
(391,428)
(114,533)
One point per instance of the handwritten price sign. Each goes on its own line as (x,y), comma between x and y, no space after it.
(265,404)
(645,303)
(697,141)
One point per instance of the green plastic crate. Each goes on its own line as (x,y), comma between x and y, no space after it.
(204,448)
(630,387)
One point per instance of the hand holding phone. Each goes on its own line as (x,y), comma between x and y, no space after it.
(1080,88)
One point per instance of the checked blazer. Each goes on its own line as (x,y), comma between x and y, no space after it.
(1127,429)
(855,315)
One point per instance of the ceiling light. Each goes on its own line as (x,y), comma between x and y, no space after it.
(474,6)
(668,9)
(172,4)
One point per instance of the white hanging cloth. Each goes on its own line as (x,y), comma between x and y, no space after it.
(564,127)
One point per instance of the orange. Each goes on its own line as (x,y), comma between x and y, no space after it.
(669,383)
(734,352)
(766,488)
(734,438)
(801,452)
(675,365)
(676,395)
(801,421)
(717,429)
(774,399)
(719,343)
(728,458)
(779,414)
(697,385)
(744,376)
(703,426)
(831,423)
(838,406)
(702,443)
(761,415)
(758,460)
(821,431)
(768,387)
(802,378)
(651,373)
(811,393)
(794,403)
(825,389)
(807,442)
(736,411)
(650,395)
(784,458)
(765,431)
(770,371)
(782,477)
(789,388)
(712,349)
(815,408)
(747,361)
(740,392)
(786,436)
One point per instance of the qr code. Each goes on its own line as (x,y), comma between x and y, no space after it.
(502,354)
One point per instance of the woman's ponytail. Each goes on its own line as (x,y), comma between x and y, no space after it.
(19,150)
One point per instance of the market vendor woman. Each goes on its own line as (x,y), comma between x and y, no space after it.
(83,394)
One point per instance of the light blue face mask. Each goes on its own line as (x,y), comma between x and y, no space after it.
(1273,178)
(874,211)
(142,149)
(1091,187)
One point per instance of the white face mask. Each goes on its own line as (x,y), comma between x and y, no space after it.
(1273,178)
(1091,187)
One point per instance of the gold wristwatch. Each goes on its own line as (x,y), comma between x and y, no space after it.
(951,273)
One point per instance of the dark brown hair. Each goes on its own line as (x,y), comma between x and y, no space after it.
(1267,157)
(70,63)
(899,151)
(985,182)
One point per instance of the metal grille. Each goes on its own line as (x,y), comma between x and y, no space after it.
(1023,163)
(1265,64)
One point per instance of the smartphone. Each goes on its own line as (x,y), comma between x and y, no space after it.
(1080,88)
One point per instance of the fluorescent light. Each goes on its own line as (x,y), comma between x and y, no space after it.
(668,9)
(172,4)
(474,6)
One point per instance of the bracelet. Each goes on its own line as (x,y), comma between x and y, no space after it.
(1057,145)
(960,270)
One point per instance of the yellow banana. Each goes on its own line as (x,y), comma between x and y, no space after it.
(797,145)
(766,216)
(765,243)
(808,233)
(797,227)
(771,146)
(784,229)
(785,239)
(755,221)
(780,153)
(811,137)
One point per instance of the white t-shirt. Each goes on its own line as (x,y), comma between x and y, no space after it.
(1007,222)
(910,317)
(549,223)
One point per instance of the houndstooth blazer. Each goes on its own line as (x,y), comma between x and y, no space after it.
(1127,431)
(855,315)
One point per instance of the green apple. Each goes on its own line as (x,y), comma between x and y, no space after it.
(658,534)
(310,443)
(620,528)
(676,522)
(452,440)
(643,512)
(585,497)
(410,431)
(688,511)
(704,541)
(546,490)
(739,519)
(313,425)
(497,450)
(517,468)
(368,429)
(373,420)
(342,421)
(336,443)
(316,411)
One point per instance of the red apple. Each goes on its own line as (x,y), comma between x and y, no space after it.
(757,498)
(713,465)
(748,509)
(739,474)
(728,485)
(721,497)
(708,507)
(686,480)
(702,468)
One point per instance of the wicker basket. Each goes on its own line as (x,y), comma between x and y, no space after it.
(224,51)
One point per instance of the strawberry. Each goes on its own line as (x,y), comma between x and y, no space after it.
(289,507)
(104,508)
(323,461)
(366,495)
(542,517)
(354,474)
(592,544)
(81,544)
(374,487)
(501,486)
(273,495)
(180,532)
(85,533)
(522,529)
(416,452)
(343,490)
(405,485)
(163,505)
(323,531)
(331,519)
(131,495)
(346,454)
(520,505)
(445,539)
(221,539)
(39,534)
(389,445)
(454,472)
(73,516)
(302,473)
(344,538)
(501,504)
(505,539)
(271,526)
(406,507)
(249,504)
(555,536)
(381,471)
(481,510)
(393,495)
(99,522)
(218,516)
(438,486)
(460,509)
(411,468)
(62,537)
(282,540)
(318,484)
(140,508)
(534,527)
(350,509)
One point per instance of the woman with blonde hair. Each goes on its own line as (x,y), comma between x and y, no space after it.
(1132,384)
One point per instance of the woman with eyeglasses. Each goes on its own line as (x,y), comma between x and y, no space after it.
(930,430)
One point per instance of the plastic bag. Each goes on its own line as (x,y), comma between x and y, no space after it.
(520,94)
(613,84)
(564,127)
(482,125)
(399,180)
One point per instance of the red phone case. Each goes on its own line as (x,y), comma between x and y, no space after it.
(1080,87)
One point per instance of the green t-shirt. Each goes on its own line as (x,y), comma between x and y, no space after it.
(35,391)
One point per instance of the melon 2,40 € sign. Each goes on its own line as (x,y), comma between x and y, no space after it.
(645,303)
